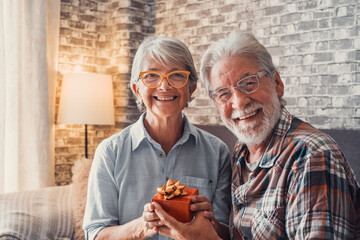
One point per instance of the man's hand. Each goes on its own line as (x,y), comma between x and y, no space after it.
(201,203)
(199,229)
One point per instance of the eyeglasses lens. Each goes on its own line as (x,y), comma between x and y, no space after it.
(178,78)
(247,86)
(151,79)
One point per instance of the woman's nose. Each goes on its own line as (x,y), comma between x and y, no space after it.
(239,99)
(164,85)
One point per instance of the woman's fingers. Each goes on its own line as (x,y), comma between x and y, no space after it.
(149,213)
(152,224)
(164,217)
(151,219)
(148,207)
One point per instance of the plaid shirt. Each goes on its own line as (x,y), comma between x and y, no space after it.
(303,188)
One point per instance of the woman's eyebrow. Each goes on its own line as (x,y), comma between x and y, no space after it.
(171,70)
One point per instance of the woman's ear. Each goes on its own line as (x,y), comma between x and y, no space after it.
(192,89)
(135,88)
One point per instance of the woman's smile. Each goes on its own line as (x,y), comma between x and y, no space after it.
(165,99)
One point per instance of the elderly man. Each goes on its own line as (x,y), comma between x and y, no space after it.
(289,181)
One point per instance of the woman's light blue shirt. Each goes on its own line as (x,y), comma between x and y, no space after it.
(129,166)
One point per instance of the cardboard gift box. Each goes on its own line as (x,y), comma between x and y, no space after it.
(178,207)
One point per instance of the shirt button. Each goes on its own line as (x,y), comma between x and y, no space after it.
(161,155)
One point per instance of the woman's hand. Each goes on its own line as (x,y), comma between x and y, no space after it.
(140,228)
(151,221)
(199,229)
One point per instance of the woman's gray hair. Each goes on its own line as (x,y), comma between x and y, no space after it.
(236,44)
(166,51)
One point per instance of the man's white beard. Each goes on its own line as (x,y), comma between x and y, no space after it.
(256,132)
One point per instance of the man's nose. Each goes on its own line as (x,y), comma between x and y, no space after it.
(239,99)
(165,85)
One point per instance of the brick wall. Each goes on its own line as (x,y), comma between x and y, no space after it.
(315,45)
(102,37)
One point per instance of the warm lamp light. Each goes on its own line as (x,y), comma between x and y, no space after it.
(86,98)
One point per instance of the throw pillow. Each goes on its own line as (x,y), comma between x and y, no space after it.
(80,170)
(37,214)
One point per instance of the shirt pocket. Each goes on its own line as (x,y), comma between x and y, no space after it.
(269,224)
(204,185)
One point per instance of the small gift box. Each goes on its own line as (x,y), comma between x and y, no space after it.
(175,199)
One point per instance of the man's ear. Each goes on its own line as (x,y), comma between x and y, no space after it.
(279,85)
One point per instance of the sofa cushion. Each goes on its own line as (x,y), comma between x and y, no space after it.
(348,141)
(37,214)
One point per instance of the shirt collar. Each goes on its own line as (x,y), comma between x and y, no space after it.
(274,149)
(284,123)
(138,132)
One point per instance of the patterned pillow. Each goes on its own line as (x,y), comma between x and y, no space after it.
(37,214)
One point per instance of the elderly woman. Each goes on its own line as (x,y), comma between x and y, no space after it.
(129,166)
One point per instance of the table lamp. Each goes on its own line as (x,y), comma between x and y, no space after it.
(86,98)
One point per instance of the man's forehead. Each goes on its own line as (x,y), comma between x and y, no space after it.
(231,67)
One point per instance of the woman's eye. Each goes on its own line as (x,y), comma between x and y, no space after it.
(179,75)
(151,75)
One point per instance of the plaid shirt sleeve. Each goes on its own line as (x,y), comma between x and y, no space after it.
(323,199)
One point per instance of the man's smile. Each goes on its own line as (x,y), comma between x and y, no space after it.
(238,116)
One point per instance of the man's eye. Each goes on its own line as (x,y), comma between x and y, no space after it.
(224,94)
(250,82)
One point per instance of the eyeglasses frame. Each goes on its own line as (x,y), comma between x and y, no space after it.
(165,76)
(257,75)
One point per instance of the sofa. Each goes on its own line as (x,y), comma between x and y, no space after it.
(57,212)
(51,213)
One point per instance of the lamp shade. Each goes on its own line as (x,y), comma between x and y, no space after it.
(86,98)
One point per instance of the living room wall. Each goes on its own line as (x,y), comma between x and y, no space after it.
(314,44)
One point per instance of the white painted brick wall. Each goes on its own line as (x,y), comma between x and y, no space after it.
(315,45)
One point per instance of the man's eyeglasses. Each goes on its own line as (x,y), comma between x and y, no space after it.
(247,85)
(177,79)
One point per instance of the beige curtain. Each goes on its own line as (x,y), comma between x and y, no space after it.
(28,54)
